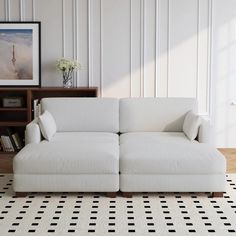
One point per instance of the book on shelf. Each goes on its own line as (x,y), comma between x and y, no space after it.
(1,145)
(11,141)
(4,144)
(17,140)
(7,145)
(10,144)
(37,108)
(10,132)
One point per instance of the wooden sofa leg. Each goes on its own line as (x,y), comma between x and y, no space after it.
(111,194)
(217,194)
(127,194)
(20,194)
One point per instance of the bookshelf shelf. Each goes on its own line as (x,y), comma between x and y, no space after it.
(6,162)
(13,123)
(14,109)
(16,118)
(7,154)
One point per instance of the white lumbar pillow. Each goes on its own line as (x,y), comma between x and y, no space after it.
(47,125)
(191,125)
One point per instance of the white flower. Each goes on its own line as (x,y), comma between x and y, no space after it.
(67,65)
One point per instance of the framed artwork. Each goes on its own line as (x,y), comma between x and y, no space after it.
(20,60)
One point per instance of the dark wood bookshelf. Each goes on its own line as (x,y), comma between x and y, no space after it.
(39,93)
(14,109)
(6,162)
(7,154)
(13,123)
(16,118)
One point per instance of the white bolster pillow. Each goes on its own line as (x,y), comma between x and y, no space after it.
(32,132)
(205,133)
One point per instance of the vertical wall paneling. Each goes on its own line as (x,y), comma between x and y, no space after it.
(182,48)
(147,48)
(82,40)
(116,51)
(130,46)
(33,10)
(197,52)
(21,10)
(76,40)
(168,49)
(135,44)
(75,43)
(2,10)
(90,43)
(68,29)
(163,47)
(157,54)
(101,48)
(140,48)
(50,15)
(144,33)
(7,10)
(63,28)
(142,41)
(95,43)
(14,11)
(28,10)
(203,53)
(209,91)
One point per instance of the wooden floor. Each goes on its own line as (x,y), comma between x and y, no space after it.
(229,153)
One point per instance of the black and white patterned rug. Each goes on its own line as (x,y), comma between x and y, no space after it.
(94,214)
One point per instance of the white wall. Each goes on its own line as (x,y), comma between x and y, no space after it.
(224,72)
(142,48)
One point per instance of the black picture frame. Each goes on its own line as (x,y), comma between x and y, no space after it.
(20,49)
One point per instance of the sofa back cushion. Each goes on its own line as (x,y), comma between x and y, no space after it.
(154,114)
(84,114)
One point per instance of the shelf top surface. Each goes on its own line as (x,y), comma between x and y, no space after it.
(13,123)
(13,108)
(7,154)
(48,88)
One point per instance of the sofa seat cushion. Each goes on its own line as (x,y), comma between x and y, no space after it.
(70,153)
(167,153)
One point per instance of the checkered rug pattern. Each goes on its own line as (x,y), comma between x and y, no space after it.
(95,214)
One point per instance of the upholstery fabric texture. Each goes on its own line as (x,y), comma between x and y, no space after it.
(168,153)
(84,114)
(131,144)
(32,132)
(154,114)
(47,125)
(172,183)
(70,153)
(191,125)
(66,183)
(205,132)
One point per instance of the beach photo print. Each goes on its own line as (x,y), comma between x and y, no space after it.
(20,53)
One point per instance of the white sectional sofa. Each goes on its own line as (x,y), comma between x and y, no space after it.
(83,154)
(156,155)
(107,145)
